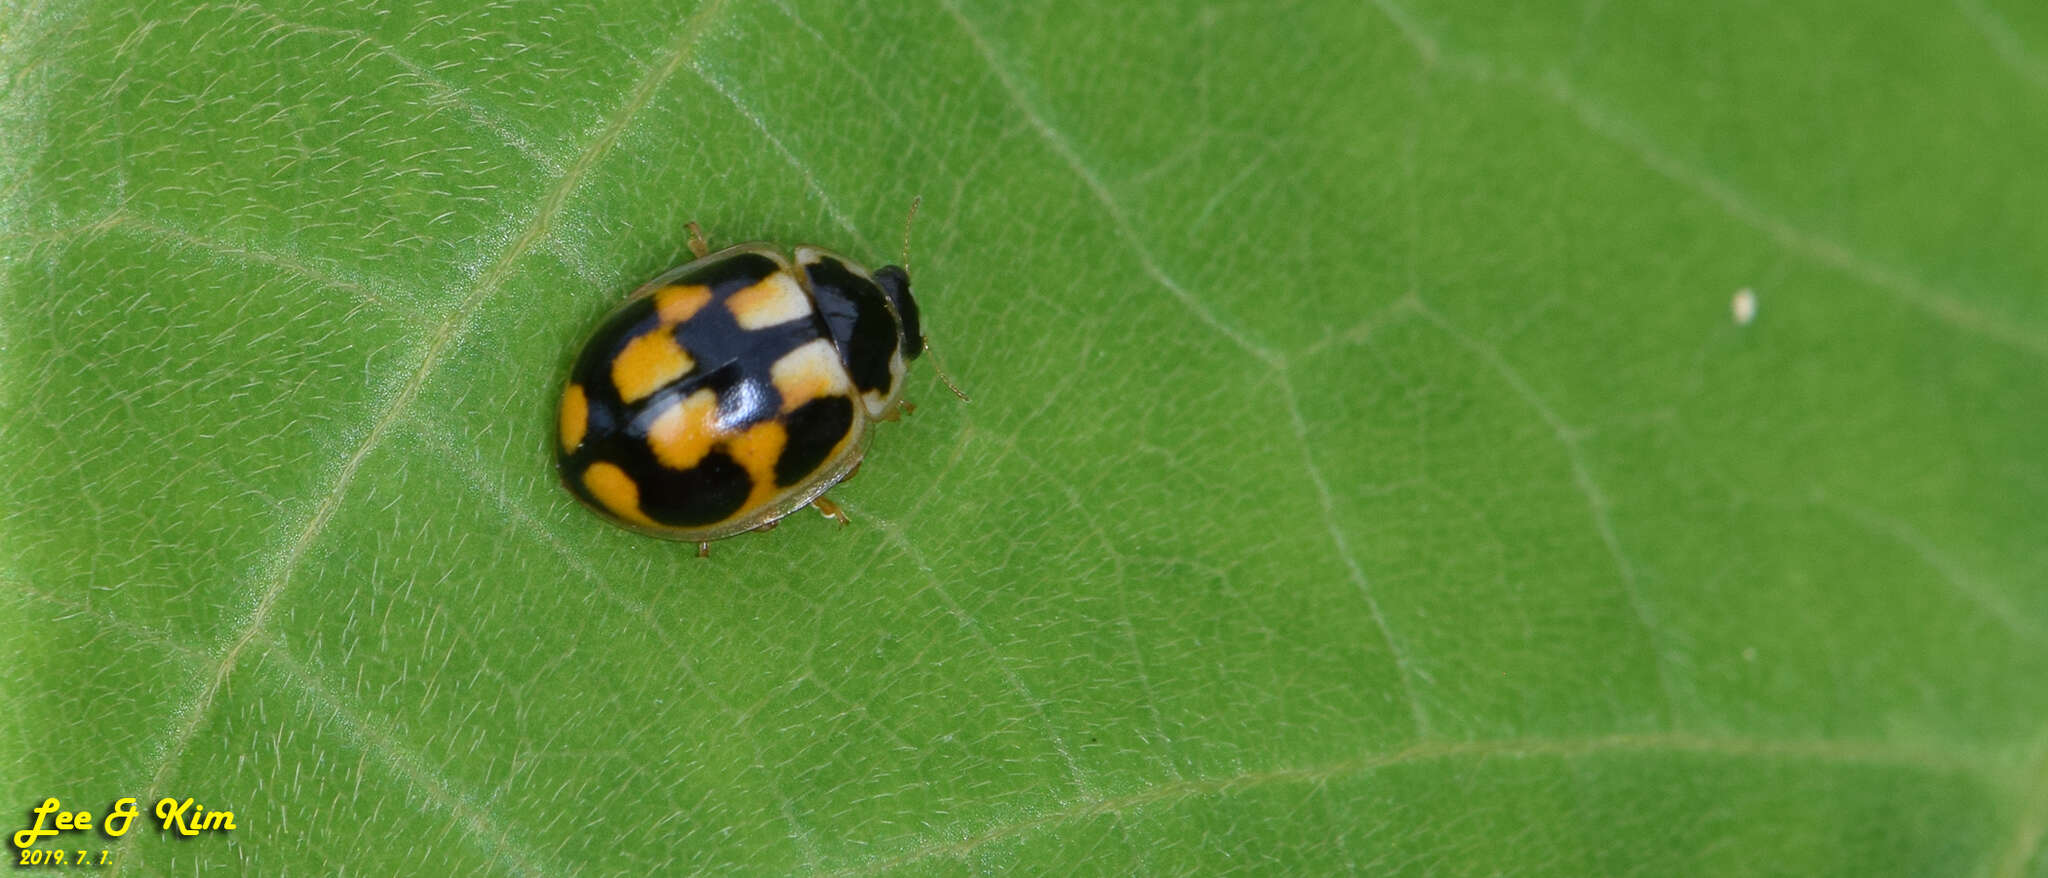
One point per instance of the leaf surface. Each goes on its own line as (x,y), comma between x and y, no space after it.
(1366,470)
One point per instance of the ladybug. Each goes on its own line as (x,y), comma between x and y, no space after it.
(728,392)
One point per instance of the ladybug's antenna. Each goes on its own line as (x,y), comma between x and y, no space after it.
(915,200)
(942,370)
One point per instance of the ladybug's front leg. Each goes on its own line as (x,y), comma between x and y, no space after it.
(896,412)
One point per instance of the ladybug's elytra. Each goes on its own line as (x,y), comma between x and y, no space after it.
(731,391)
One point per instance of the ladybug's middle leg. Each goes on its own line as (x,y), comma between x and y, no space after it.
(831,510)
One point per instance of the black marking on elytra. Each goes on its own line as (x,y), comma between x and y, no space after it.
(727,275)
(858,316)
(815,428)
(593,367)
(717,342)
(895,282)
(599,421)
(707,493)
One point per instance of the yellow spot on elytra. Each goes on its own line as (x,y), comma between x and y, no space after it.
(775,299)
(647,363)
(757,450)
(677,304)
(683,433)
(811,371)
(616,490)
(574,417)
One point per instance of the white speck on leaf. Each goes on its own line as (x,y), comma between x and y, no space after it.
(1743,306)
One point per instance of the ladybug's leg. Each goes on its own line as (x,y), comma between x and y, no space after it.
(697,246)
(767,527)
(897,411)
(831,510)
(703,550)
(853,472)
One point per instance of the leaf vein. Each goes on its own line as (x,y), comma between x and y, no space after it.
(1053,735)
(803,171)
(442,791)
(1903,288)
(2005,42)
(1121,564)
(1987,599)
(1841,752)
(1597,504)
(2031,826)
(1326,503)
(686,664)
(240,252)
(488,283)
(148,634)
(1117,215)
(446,91)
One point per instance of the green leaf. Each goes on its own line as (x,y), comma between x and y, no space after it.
(1365,470)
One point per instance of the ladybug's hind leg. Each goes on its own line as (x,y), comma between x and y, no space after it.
(831,511)
(698,248)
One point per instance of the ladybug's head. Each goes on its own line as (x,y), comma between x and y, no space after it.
(896,283)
